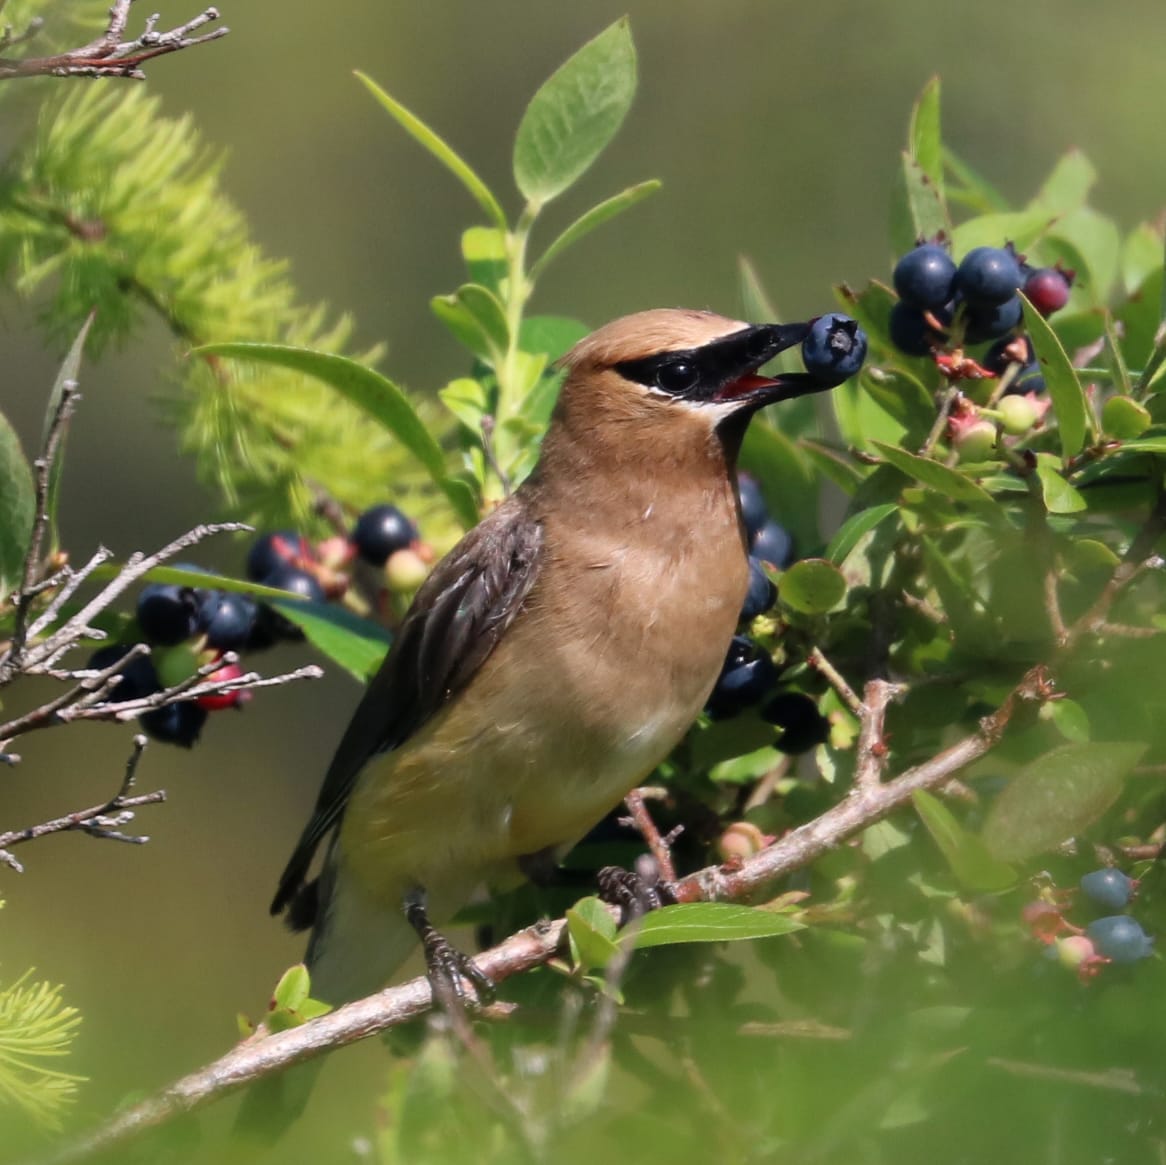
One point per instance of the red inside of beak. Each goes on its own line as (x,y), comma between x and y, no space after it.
(744,385)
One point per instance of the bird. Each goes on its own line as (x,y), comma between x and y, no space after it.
(552,659)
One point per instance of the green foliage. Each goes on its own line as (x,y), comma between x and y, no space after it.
(35,1026)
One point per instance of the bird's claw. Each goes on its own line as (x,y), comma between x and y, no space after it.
(634,892)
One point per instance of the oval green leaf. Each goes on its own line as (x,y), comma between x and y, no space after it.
(1065,389)
(707,922)
(16,513)
(575,114)
(356,644)
(931,473)
(292,988)
(1060,497)
(591,931)
(369,390)
(812,586)
(855,528)
(1123,418)
(1056,796)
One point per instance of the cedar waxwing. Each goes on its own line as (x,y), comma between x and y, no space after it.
(554,657)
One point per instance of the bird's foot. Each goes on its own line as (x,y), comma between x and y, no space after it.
(634,892)
(446,968)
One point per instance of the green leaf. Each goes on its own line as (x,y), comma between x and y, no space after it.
(575,114)
(707,922)
(967,854)
(484,251)
(483,306)
(595,217)
(466,328)
(1065,389)
(466,399)
(550,336)
(1060,497)
(1141,256)
(369,390)
(924,201)
(1056,796)
(591,931)
(901,396)
(356,644)
(931,473)
(422,134)
(1067,187)
(1123,418)
(1098,241)
(754,299)
(17,510)
(1071,719)
(924,136)
(974,191)
(812,586)
(69,371)
(292,988)
(1022,228)
(854,529)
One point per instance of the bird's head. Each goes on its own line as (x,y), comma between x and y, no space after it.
(681,367)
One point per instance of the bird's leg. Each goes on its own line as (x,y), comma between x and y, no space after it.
(635,891)
(445,965)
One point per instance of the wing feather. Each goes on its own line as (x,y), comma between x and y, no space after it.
(456,619)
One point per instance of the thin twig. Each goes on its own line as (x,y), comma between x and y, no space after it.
(949,397)
(102,821)
(834,678)
(66,404)
(660,847)
(109,55)
(491,454)
(263,1055)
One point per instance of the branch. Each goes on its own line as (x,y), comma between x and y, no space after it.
(108,55)
(103,821)
(265,1054)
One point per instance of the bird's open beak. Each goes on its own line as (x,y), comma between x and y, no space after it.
(746,351)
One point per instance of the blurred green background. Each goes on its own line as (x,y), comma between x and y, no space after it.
(776,130)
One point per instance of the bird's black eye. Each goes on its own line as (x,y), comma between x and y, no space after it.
(677,376)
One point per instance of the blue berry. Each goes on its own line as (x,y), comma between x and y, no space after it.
(754,512)
(1000,355)
(802,725)
(989,323)
(380,532)
(746,675)
(299,582)
(835,348)
(1108,888)
(283,548)
(774,544)
(1120,938)
(179,723)
(909,331)
(227,619)
(762,594)
(138,678)
(988,276)
(923,277)
(166,613)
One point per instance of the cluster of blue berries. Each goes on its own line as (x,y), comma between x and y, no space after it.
(943,306)
(188,628)
(749,676)
(1112,938)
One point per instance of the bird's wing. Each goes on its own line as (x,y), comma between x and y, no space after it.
(457,617)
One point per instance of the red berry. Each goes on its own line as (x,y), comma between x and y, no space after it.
(1047,289)
(219,700)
